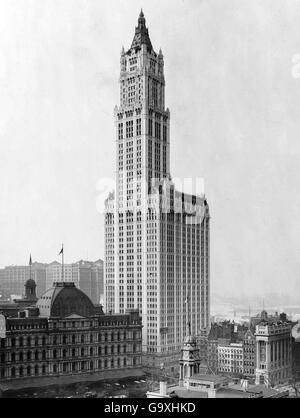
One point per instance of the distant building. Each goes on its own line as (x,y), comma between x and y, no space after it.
(13,278)
(231,359)
(87,276)
(64,334)
(274,352)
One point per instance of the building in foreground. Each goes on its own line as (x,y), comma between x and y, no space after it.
(64,334)
(192,384)
(274,352)
(157,239)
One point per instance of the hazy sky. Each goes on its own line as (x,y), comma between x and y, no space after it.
(235,117)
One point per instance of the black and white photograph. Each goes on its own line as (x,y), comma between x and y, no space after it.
(149,201)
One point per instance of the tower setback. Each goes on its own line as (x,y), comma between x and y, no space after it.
(157,239)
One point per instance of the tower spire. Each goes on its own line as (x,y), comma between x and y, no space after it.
(141,36)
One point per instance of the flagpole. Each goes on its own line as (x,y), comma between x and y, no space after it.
(62,259)
(30,262)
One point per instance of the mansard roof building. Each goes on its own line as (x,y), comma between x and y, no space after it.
(64,334)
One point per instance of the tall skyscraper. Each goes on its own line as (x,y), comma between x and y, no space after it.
(156,238)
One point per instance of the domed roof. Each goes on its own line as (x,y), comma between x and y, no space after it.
(30,283)
(64,299)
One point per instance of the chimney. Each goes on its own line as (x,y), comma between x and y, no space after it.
(163,388)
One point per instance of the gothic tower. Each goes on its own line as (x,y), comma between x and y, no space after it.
(156,238)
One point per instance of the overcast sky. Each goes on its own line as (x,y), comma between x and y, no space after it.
(233,95)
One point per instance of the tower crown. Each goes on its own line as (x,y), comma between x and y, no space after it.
(141,36)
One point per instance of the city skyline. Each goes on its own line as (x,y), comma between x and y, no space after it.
(57,134)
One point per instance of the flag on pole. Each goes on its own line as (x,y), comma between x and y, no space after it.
(61,251)
(30,260)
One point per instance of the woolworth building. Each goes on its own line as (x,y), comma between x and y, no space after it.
(157,255)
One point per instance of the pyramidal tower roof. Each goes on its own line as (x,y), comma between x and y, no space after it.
(141,36)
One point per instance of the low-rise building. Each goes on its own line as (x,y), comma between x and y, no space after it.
(64,334)
(231,359)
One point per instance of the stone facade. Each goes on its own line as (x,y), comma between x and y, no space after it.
(68,343)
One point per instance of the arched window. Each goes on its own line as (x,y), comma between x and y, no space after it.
(82,339)
(134,361)
(73,367)
(13,343)
(73,352)
(21,356)
(36,370)
(54,354)
(99,364)
(91,365)
(91,338)
(125,362)
(28,355)
(64,339)
(99,351)
(105,350)
(44,369)
(119,349)
(21,372)
(64,367)
(99,337)
(44,355)
(36,341)
(2,372)
(44,341)
(119,363)
(112,336)
(124,348)
(91,351)
(13,372)
(21,342)
(28,341)
(82,352)
(73,339)
(112,363)
(118,336)
(134,348)
(36,355)
(105,337)
(13,357)
(55,368)
(54,340)
(124,335)
(105,364)
(112,349)
(28,370)
(2,358)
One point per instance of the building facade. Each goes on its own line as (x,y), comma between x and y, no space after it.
(231,359)
(64,333)
(249,345)
(274,352)
(156,239)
